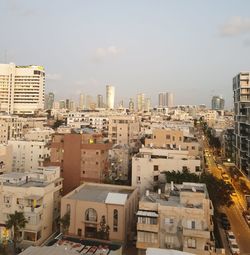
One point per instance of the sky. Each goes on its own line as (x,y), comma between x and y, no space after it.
(192,48)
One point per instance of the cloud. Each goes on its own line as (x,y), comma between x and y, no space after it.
(235,26)
(101,53)
(53,76)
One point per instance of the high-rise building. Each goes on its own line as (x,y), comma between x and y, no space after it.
(89,101)
(49,101)
(147,104)
(217,103)
(161,100)
(110,97)
(62,104)
(21,88)
(99,101)
(140,102)
(82,101)
(169,99)
(131,105)
(67,104)
(241,89)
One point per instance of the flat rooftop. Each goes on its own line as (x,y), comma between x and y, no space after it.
(100,193)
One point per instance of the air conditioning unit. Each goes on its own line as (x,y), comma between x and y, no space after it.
(8,205)
(21,206)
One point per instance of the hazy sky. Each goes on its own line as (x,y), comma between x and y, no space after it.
(190,47)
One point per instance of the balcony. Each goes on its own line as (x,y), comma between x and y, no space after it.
(31,209)
(196,233)
(148,227)
(145,245)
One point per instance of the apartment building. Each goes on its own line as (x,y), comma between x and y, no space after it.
(172,139)
(26,155)
(177,218)
(149,165)
(35,194)
(21,88)
(81,156)
(90,203)
(124,130)
(39,134)
(241,89)
(5,159)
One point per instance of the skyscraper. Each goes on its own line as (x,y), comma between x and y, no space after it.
(99,101)
(241,89)
(140,102)
(49,101)
(21,88)
(82,102)
(165,99)
(161,100)
(217,103)
(169,99)
(110,97)
(147,104)
(131,105)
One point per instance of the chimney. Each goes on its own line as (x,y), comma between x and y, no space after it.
(172,185)
(147,193)
(159,191)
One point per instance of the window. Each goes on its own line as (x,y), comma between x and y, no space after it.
(168,137)
(193,147)
(68,208)
(156,168)
(169,221)
(91,215)
(191,243)
(173,138)
(115,220)
(97,153)
(180,139)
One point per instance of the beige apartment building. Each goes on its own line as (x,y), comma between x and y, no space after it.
(177,218)
(5,158)
(172,138)
(149,165)
(82,157)
(123,130)
(89,203)
(21,88)
(35,194)
(27,156)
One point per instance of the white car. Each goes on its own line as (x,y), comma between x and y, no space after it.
(230,236)
(234,248)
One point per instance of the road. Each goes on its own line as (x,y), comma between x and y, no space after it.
(234,213)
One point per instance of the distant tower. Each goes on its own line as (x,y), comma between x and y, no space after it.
(110,97)
(99,101)
(67,102)
(82,101)
(140,102)
(62,104)
(148,104)
(89,101)
(169,99)
(49,101)
(217,103)
(131,105)
(161,100)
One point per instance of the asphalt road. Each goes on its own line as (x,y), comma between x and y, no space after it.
(234,213)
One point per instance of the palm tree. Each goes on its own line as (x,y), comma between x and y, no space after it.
(65,222)
(16,221)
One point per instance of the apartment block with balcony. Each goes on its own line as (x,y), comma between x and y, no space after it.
(172,139)
(241,89)
(27,156)
(38,196)
(177,218)
(149,165)
(81,156)
(90,203)
(124,130)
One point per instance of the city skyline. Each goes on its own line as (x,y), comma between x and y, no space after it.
(123,52)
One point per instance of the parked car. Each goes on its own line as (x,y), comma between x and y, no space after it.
(230,236)
(225,178)
(224,221)
(246,216)
(234,248)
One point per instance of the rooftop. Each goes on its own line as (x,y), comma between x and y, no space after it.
(101,193)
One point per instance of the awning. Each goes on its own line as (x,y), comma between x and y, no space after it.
(147,213)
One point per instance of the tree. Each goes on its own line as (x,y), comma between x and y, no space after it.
(65,222)
(104,229)
(16,221)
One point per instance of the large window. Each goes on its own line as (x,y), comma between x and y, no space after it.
(91,215)
(115,220)
(191,243)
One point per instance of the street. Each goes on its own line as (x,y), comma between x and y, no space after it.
(234,213)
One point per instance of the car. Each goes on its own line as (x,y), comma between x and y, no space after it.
(230,236)
(246,216)
(233,194)
(224,221)
(225,178)
(234,248)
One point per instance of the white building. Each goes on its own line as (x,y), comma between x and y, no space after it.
(178,217)
(21,88)
(149,165)
(110,97)
(140,102)
(37,195)
(27,155)
(38,134)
